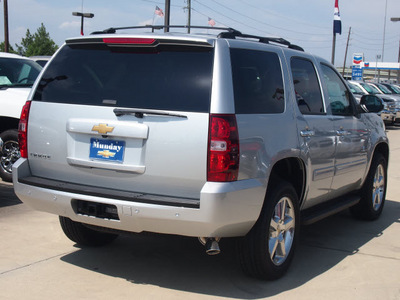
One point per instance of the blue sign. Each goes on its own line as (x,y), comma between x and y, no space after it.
(357,74)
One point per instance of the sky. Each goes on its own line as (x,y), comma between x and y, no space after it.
(307,23)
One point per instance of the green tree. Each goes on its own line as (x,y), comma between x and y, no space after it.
(10,48)
(38,43)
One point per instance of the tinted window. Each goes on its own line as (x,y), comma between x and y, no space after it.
(16,72)
(168,79)
(339,96)
(306,85)
(257,82)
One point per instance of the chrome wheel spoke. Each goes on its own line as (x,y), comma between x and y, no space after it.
(9,156)
(378,187)
(282,226)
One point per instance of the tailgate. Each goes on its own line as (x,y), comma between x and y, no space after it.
(155,154)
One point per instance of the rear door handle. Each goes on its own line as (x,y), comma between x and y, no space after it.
(341,132)
(307,133)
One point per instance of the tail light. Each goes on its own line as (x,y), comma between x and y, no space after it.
(223,151)
(23,130)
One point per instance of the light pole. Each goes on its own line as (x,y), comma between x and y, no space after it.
(398,60)
(378,56)
(396,20)
(82,15)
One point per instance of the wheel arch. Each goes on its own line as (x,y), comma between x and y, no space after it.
(7,123)
(382,148)
(292,170)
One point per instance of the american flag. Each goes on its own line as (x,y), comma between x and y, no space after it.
(159,12)
(337,23)
(211,22)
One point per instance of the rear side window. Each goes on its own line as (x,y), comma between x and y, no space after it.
(257,82)
(306,85)
(172,78)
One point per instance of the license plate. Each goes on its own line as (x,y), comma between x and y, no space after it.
(108,150)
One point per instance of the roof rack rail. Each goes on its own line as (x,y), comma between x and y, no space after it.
(159,27)
(261,39)
(229,33)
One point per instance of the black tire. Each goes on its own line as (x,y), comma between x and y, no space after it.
(373,192)
(255,248)
(82,235)
(10,153)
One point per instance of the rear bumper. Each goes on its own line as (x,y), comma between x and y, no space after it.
(388,116)
(397,117)
(223,210)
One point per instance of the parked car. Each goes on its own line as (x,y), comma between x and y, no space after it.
(17,75)
(395,90)
(357,91)
(391,112)
(205,136)
(384,90)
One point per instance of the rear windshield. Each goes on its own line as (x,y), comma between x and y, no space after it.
(172,78)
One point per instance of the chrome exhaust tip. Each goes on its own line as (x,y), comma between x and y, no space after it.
(211,244)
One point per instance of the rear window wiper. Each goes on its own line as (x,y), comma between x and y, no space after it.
(139,113)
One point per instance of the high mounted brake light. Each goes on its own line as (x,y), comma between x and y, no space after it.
(223,151)
(127,41)
(23,130)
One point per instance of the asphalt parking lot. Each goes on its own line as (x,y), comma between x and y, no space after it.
(337,258)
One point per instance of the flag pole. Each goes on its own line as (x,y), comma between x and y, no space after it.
(333,48)
(167,15)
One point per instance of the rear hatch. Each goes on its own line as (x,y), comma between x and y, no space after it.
(127,114)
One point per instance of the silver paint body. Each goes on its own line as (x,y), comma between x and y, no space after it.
(168,156)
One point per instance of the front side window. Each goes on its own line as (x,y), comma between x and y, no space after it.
(339,95)
(257,82)
(306,85)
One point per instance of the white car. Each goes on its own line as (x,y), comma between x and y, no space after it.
(17,75)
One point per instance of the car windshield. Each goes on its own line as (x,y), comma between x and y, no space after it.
(356,89)
(384,89)
(370,89)
(395,89)
(15,72)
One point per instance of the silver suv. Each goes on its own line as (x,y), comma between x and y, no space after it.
(198,135)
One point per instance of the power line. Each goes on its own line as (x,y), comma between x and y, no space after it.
(264,23)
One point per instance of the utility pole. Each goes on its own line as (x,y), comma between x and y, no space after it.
(345,53)
(6,37)
(167,15)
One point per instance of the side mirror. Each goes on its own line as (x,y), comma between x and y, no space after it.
(371,103)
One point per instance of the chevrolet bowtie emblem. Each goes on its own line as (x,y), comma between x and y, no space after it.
(106,153)
(102,128)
